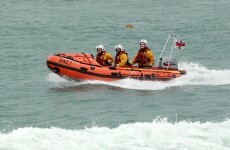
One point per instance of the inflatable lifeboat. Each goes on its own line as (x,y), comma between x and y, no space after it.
(82,66)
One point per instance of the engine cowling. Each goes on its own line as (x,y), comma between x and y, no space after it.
(168,63)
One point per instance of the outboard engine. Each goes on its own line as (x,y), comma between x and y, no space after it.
(166,63)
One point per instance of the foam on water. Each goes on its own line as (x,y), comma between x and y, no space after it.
(196,75)
(159,134)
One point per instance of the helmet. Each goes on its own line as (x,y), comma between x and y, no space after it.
(144,41)
(100,46)
(119,46)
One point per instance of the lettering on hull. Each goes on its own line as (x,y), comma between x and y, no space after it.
(65,61)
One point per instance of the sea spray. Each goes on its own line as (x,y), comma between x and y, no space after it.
(159,134)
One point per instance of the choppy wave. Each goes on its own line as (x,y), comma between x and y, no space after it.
(196,75)
(159,134)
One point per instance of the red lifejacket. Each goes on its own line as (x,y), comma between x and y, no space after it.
(100,57)
(141,57)
(117,57)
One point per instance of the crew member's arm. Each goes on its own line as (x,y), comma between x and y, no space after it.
(109,58)
(124,59)
(135,59)
(150,57)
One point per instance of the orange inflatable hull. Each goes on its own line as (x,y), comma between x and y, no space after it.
(84,67)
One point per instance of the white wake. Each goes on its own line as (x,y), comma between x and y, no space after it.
(196,75)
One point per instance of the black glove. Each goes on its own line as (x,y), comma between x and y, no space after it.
(112,68)
(148,67)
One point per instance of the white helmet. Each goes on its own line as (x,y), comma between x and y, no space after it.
(100,46)
(144,41)
(119,46)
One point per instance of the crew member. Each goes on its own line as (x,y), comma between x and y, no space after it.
(103,58)
(144,57)
(121,58)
